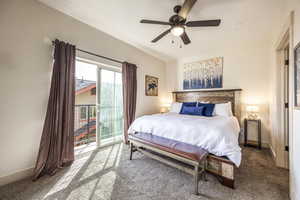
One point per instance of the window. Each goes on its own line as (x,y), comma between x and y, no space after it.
(83,112)
(93,91)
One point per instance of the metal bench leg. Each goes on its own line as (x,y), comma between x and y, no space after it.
(205,169)
(131,150)
(196,177)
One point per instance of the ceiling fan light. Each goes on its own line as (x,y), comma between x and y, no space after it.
(177,30)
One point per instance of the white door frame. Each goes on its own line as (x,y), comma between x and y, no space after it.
(281,154)
(287,36)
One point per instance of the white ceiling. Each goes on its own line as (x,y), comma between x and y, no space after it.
(242,20)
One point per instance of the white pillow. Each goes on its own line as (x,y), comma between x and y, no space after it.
(175,107)
(223,109)
(203,102)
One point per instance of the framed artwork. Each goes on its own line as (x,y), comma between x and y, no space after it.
(297,76)
(203,74)
(151,86)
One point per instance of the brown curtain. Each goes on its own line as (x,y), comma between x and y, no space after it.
(57,142)
(129,95)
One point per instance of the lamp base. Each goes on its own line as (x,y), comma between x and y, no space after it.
(252,116)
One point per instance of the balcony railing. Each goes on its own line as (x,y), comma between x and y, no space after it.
(110,121)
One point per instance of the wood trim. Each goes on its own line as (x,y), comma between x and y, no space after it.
(209,90)
(213,96)
(226,181)
(224,160)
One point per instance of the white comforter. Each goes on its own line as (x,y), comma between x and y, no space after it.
(218,134)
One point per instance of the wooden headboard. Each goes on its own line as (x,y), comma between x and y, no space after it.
(212,96)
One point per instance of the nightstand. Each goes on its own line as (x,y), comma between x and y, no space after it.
(246,143)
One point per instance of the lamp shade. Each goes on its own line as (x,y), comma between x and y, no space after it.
(252,108)
(166,105)
(163,109)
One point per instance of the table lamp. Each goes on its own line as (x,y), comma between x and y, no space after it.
(252,111)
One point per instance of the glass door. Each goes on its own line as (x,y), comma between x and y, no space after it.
(85,104)
(98,104)
(110,106)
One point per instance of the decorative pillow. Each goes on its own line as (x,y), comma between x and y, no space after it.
(208,109)
(188,104)
(175,107)
(223,109)
(189,110)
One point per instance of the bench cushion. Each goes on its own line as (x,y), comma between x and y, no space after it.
(172,146)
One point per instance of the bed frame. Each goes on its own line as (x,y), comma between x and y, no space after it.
(221,167)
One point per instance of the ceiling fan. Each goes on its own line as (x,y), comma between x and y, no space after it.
(178,22)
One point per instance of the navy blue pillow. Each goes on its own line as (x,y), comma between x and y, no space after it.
(208,109)
(189,110)
(188,104)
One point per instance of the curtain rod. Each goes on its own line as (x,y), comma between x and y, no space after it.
(97,55)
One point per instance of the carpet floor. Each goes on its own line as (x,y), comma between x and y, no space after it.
(108,173)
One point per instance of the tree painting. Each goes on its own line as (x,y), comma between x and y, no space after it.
(203,74)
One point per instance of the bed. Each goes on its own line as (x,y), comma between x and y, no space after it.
(218,135)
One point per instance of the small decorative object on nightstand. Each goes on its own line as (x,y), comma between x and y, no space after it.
(258,121)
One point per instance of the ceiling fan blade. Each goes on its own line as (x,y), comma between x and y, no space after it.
(154,22)
(203,23)
(186,8)
(185,38)
(161,35)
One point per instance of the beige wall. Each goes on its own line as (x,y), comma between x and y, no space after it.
(246,56)
(244,67)
(25,70)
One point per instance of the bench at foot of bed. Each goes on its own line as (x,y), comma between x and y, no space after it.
(189,158)
(185,157)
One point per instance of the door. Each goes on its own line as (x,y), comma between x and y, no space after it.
(286,99)
(110,103)
(85,104)
(98,104)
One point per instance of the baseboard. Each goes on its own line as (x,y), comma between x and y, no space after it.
(294,196)
(16,176)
